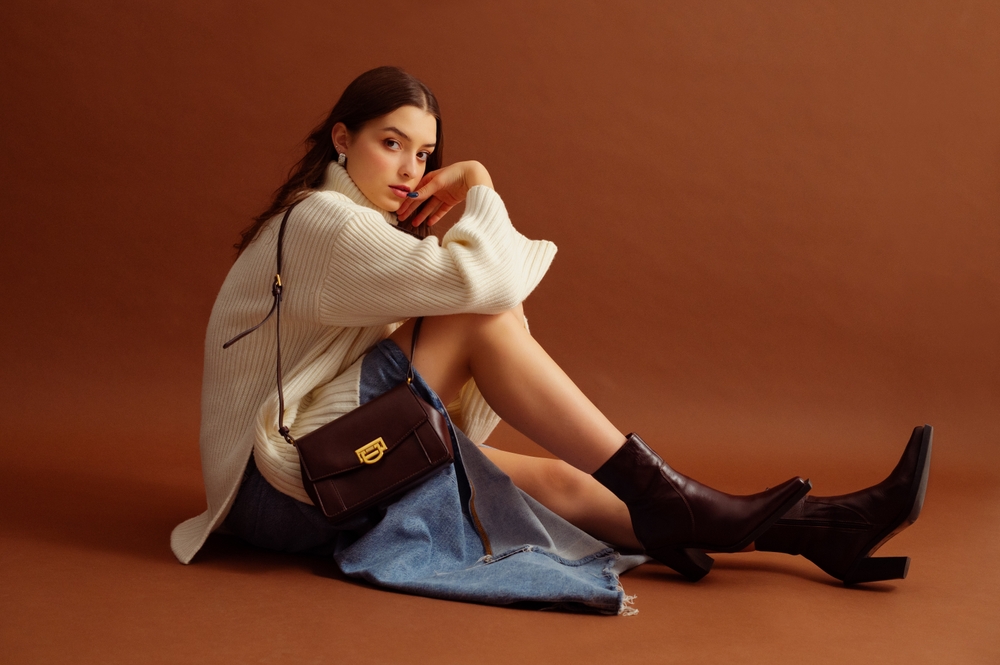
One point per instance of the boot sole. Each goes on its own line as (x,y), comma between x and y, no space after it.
(693,563)
(868,569)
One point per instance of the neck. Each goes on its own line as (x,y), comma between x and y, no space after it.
(338,180)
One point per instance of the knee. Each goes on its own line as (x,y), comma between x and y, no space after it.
(515,313)
(471,322)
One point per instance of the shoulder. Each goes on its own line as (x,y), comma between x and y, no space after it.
(330,206)
(328,214)
(328,227)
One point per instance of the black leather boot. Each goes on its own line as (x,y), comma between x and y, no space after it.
(840,533)
(676,519)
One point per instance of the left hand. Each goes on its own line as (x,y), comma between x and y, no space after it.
(443,190)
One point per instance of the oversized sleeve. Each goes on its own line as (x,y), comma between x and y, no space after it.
(377,275)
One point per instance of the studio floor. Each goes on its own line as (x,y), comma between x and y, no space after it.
(88,577)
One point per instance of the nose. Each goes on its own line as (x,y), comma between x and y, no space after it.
(410,167)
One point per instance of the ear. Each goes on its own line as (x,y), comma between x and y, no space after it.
(341,137)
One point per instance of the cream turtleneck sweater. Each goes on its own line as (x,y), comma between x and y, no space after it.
(349,280)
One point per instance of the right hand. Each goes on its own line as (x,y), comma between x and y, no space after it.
(443,190)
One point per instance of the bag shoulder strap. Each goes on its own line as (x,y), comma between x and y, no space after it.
(276,292)
(276,288)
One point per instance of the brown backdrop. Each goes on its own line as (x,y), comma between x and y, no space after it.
(777,222)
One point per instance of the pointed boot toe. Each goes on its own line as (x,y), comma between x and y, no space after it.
(677,518)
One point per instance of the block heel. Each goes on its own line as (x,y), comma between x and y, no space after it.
(693,564)
(840,533)
(878,569)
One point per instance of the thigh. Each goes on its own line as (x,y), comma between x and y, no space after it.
(445,345)
(441,354)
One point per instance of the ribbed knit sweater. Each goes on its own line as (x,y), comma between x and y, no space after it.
(349,280)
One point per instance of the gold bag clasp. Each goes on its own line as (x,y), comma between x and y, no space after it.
(371,452)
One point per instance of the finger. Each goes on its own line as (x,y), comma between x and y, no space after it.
(423,192)
(429,209)
(420,194)
(409,204)
(425,212)
(404,209)
(441,212)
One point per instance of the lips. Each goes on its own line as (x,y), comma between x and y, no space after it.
(401,188)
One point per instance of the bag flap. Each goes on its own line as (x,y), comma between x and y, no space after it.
(333,448)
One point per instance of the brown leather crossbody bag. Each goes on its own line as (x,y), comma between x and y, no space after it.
(370,455)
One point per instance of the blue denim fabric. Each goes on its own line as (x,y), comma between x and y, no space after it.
(427,543)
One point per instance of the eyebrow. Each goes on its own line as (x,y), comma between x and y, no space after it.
(393,129)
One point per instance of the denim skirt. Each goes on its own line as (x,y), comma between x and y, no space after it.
(516,551)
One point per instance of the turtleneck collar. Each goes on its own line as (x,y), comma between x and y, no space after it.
(337,180)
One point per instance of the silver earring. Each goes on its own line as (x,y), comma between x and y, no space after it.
(341,158)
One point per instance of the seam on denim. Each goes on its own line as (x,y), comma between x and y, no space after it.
(600,554)
(484,537)
(493,558)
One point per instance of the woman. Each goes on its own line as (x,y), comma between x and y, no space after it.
(495,527)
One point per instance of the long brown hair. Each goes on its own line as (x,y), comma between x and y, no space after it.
(372,95)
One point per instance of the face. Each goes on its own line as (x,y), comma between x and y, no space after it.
(387,157)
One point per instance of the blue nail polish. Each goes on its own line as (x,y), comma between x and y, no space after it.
(412,195)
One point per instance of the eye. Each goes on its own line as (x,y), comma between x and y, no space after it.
(423,155)
(392,144)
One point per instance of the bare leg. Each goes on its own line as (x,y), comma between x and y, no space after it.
(527,388)
(518,379)
(570,493)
